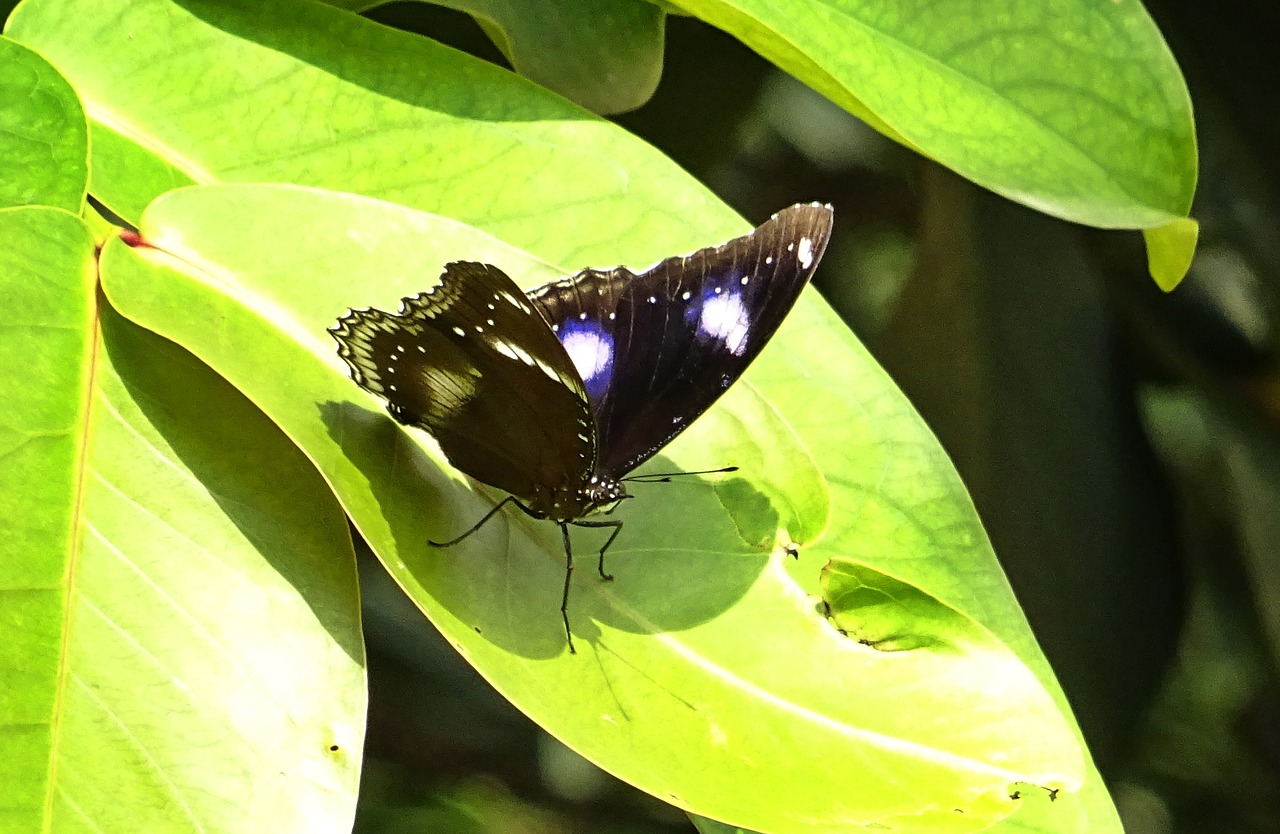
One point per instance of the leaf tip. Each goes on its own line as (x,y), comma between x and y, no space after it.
(1170,248)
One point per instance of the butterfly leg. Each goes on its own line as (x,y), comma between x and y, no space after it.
(617,528)
(568,574)
(504,502)
(568,565)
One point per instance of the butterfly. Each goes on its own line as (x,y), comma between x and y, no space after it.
(555,395)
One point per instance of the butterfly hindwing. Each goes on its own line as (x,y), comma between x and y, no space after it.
(657,349)
(579,311)
(473,363)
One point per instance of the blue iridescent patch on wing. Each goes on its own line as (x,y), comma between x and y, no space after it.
(590,346)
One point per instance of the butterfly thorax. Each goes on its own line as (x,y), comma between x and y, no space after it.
(567,504)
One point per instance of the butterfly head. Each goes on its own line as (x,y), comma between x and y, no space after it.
(598,493)
(603,491)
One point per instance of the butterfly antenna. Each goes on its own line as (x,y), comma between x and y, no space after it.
(665,477)
(505,501)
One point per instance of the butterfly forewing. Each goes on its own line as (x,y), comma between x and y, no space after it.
(655,350)
(474,364)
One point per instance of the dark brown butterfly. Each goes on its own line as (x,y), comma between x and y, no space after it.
(556,394)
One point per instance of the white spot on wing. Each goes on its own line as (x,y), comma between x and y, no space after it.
(725,319)
(805,255)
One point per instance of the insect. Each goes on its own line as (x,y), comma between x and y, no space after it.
(555,395)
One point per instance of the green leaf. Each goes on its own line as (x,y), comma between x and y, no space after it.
(46,256)
(1075,108)
(340,102)
(44,138)
(1170,248)
(605,57)
(707,662)
(180,618)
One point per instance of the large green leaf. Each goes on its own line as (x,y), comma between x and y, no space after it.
(44,137)
(1075,108)
(1072,107)
(707,673)
(46,256)
(180,624)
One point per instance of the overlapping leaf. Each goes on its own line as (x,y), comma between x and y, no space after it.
(607,59)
